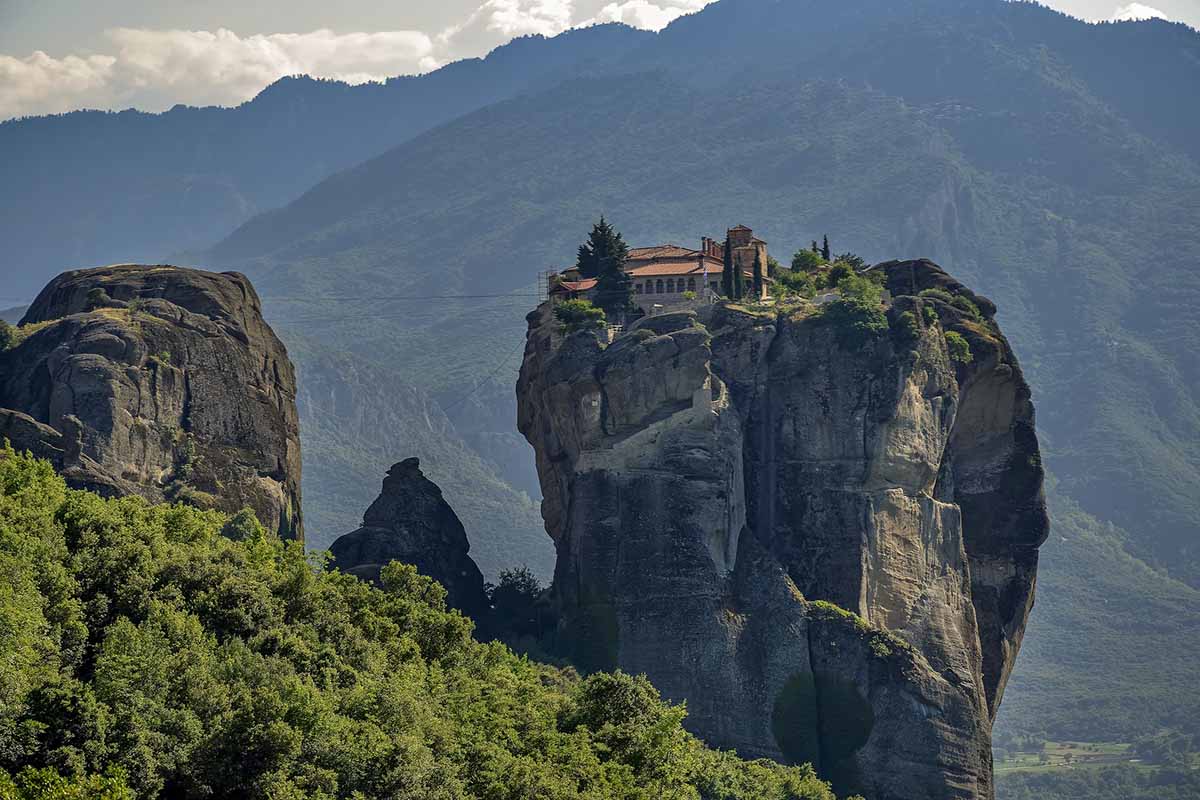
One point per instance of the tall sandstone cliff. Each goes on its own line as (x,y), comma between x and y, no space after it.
(827,549)
(161,382)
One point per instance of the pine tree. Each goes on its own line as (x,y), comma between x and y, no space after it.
(758,275)
(825,249)
(604,244)
(815,248)
(727,273)
(603,257)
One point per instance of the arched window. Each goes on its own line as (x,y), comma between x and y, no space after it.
(670,286)
(691,284)
(659,290)
(639,288)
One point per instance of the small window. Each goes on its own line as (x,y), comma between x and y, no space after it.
(659,290)
(691,284)
(639,288)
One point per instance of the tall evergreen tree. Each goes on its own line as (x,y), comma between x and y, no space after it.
(604,244)
(727,272)
(758,275)
(825,249)
(603,257)
(815,248)
(739,282)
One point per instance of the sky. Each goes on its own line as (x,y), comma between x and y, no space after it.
(60,55)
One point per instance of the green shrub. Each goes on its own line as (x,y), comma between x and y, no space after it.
(906,327)
(807,261)
(8,336)
(966,306)
(959,349)
(138,640)
(856,287)
(838,273)
(857,321)
(578,315)
(937,294)
(789,281)
(930,314)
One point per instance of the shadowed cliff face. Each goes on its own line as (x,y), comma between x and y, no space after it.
(829,551)
(162,382)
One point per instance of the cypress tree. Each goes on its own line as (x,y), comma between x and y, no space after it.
(815,248)
(825,249)
(758,275)
(604,244)
(727,272)
(603,257)
(739,283)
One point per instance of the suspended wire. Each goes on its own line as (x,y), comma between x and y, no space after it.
(499,364)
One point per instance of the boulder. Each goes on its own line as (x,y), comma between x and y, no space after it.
(162,382)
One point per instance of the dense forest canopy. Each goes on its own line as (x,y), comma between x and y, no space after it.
(161,651)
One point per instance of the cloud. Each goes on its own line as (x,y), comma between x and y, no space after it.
(498,21)
(154,69)
(1136,11)
(644,14)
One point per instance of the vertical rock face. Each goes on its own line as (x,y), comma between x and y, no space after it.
(828,550)
(162,382)
(411,522)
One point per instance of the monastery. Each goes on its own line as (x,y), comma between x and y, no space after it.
(661,274)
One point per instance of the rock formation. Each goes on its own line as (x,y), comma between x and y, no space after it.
(158,381)
(827,548)
(410,521)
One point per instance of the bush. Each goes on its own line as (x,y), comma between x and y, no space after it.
(906,327)
(856,287)
(838,273)
(930,314)
(857,321)
(789,281)
(967,307)
(8,336)
(959,349)
(579,315)
(937,294)
(806,261)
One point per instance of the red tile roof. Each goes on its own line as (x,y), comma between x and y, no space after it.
(575,286)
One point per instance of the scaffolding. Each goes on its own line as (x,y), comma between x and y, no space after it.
(543,284)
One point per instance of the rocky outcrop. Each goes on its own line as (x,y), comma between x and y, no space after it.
(827,547)
(161,382)
(411,522)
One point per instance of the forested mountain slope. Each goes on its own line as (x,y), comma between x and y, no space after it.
(187,176)
(991,136)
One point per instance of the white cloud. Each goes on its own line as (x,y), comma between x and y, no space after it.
(154,69)
(644,14)
(497,21)
(1136,11)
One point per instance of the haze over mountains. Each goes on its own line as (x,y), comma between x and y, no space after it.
(1052,164)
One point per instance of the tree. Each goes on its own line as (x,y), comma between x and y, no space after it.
(816,248)
(758,275)
(603,257)
(604,245)
(8,336)
(773,266)
(739,282)
(727,272)
(579,315)
(806,260)
(515,602)
(825,249)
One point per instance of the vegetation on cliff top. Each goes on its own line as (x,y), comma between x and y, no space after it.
(158,651)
